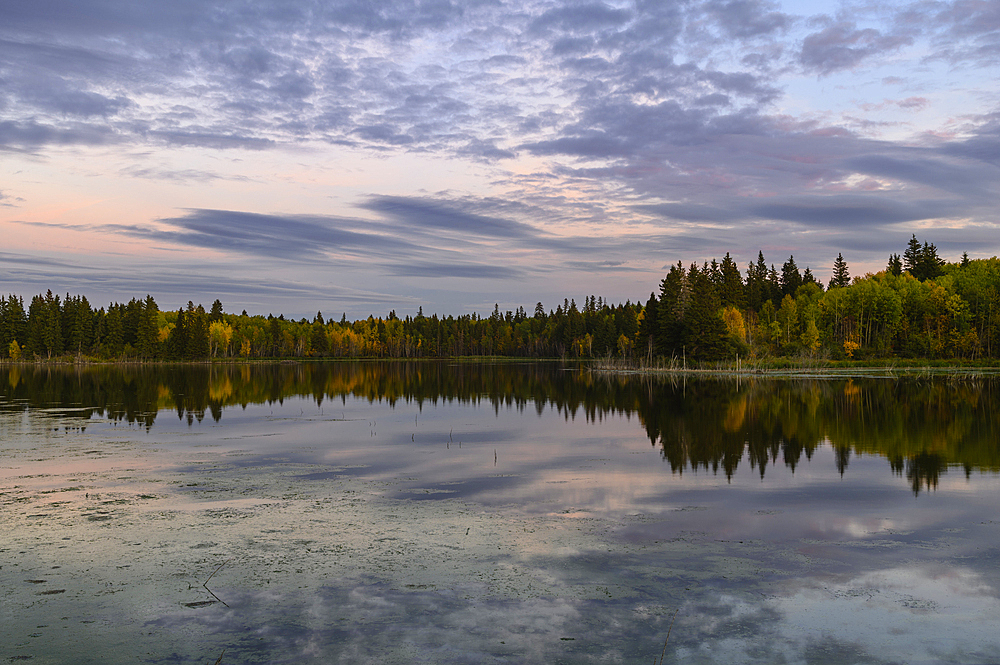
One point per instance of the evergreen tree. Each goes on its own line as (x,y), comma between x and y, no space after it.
(216,314)
(13,322)
(929,265)
(922,261)
(199,345)
(113,344)
(911,256)
(674,295)
(148,332)
(791,278)
(51,325)
(649,328)
(714,271)
(177,341)
(131,315)
(703,332)
(841,276)
(685,290)
(320,340)
(756,285)
(774,291)
(895,266)
(731,290)
(35,338)
(275,337)
(77,324)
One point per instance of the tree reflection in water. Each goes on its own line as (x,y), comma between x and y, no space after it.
(921,426)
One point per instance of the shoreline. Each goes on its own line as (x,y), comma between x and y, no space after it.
(777,368)
(784,369)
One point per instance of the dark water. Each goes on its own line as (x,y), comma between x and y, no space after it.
(481,513)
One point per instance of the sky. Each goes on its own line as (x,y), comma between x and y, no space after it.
(355,156)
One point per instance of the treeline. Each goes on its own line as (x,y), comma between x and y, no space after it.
(918,307)
(55,327)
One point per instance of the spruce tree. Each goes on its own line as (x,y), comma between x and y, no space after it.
(177,341)
(199,345)
(13,322)
(674,296)
(895,266)
(929,264)
(791,278)
(757,288)
(841,276)
(774,291)
(703,332)
(113,344)
(649,330)
(148,332)
(731,290)
(911,256)
(319,341)
(52,336)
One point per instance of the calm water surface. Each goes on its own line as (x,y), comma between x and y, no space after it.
(475,513)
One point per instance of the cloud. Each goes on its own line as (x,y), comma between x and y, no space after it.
(910,103)
(174,175)
(581,18)
(219,140)
(429,214)
(849,211)
(748,18)
(602,266)
(80,103)
(963,31)
(460,270)
(30,135)
(964,179)
(982,146)
(485,150)
(695,212)
(843,46)
(286,237)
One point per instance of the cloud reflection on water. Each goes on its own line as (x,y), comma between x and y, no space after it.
(532,526)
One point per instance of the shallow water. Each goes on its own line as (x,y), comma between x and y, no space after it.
(442,513)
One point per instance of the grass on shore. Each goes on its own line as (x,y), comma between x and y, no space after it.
(806,366)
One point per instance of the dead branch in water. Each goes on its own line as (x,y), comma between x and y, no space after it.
(205,584)
(664,641)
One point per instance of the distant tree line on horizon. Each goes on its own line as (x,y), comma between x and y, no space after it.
(53,327)
(918,307)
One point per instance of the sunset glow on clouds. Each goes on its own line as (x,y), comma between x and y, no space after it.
(356,157)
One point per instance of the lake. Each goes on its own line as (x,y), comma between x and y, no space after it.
(436,512)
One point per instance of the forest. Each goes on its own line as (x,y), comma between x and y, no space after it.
(919,306)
